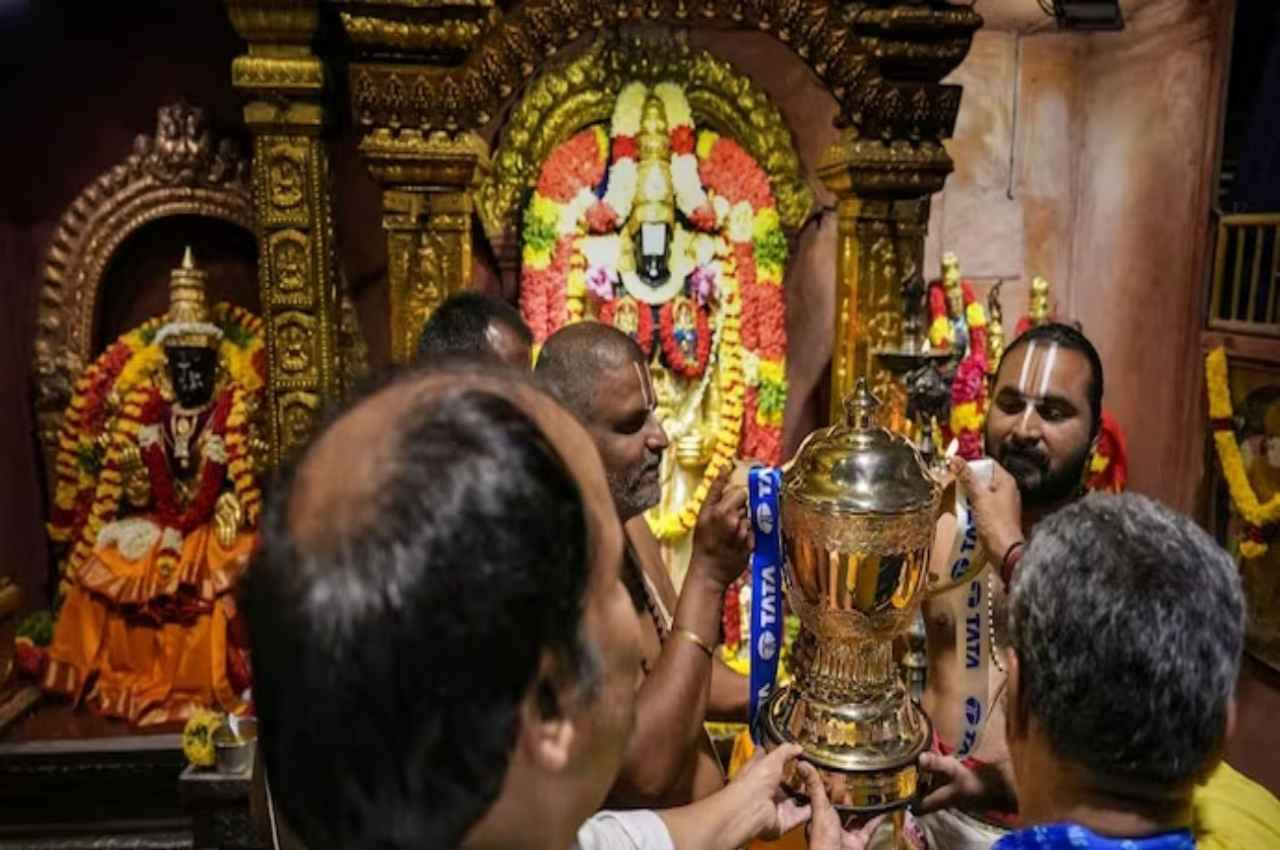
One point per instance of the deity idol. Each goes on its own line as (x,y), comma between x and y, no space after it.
(157,502)
(959,325)
(677,242)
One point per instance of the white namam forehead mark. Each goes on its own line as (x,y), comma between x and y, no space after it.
(1037,369)
(646,386)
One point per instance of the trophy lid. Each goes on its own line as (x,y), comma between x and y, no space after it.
(860,467)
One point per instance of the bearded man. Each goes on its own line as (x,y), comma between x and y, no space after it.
(1045,415)
(599,374)
(1044,421)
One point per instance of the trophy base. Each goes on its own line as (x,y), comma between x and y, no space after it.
(859,779)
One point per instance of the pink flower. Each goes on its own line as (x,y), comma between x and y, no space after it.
(969,381)
(600,281)
(703,284)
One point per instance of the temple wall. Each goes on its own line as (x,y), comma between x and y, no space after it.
(1150,97)
(1106,194)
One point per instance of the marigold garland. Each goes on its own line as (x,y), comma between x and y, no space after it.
(115,396)
(1257,515)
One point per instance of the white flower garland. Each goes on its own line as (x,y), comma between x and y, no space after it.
(689,193)
(621,191)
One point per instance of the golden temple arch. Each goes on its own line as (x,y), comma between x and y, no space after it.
(427,76)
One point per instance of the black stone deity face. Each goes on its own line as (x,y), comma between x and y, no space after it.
(192,370)
(651,249)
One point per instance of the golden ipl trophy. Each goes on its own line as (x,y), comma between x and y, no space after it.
(859,510)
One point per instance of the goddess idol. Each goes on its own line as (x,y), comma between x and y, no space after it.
(671,234)
(157,504)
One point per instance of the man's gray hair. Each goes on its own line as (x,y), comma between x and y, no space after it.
(1128,622)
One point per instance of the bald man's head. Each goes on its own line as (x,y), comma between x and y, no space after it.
(576,361)
(437,526)
(600,374)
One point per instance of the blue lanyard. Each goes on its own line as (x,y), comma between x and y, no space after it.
(763,484)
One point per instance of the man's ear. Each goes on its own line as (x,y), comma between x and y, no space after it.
(547,727)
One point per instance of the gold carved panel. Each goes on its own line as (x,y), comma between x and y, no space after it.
(881,62)
(295,345)
(289,253)
(297,413)
(286,166)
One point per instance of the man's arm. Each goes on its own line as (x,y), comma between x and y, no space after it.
(728,699)
(976,786)
(671,704)
(752,806)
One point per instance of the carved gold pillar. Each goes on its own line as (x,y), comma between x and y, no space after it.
(889,161)
(426,213)
(883,213)
(285,84)
(424,160)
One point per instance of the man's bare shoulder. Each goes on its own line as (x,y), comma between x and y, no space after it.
(648,552)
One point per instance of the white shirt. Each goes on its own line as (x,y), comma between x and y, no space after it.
(632,830)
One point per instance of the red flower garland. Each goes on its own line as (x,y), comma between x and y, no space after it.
(730,172)
(212,472)
(602,219)
(624,147)
(682,141)
(759,442)
(703,218)
(543,310)
(571,167)
(671,348)
(644,323)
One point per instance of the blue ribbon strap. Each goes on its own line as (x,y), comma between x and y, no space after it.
(763,484)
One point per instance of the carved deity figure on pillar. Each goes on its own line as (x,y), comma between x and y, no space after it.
(671,233)
(156,507)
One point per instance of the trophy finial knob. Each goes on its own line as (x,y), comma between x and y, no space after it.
(860,407)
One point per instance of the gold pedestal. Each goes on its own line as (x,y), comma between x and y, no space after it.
(865,750)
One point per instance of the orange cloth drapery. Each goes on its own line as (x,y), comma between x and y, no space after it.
(145,643)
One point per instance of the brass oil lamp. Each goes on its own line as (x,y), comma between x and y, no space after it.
(859,510)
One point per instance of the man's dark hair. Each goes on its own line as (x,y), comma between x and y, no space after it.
(391,656)
(1128,622)
(1070,338)
(458,326)
(572,359)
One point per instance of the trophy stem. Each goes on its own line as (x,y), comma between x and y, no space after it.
(838,671)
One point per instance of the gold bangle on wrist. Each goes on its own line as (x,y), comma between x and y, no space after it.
(693,639)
